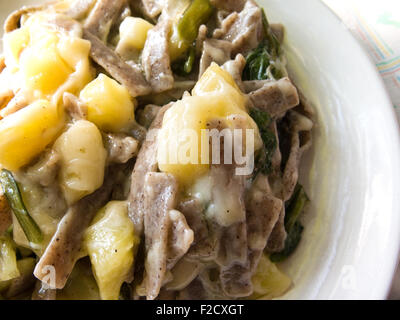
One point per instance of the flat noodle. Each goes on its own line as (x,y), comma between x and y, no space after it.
(17,102)
(102,17)
(151,8)
(65,247)
(218,51)
(75,107)
(263,211)
(80,9)
(155,58)
(160,197)
(128,76)
(180,238)
(205,245)
(145,162)
(275,97)
(13,20)
(298,124)
(229,5)
(244,30)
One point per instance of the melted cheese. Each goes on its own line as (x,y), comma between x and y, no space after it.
(75,52)
(109,104)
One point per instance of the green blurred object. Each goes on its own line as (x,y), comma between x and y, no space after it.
(183,67)
(264,158)
(261,62)
(294,228)
(8,260)
(13,195)
(198,13)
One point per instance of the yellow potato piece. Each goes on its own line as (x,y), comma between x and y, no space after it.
(42,66)
(217,80)
(109,104)
(26,133)
(14,43)
(268,281)
(111,244)
(184,147)
(49,62)
(133,32)
(8,261)
(83,160)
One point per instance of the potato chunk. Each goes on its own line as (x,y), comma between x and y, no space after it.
(47,58)
(14,43)
(218,81)
(133,33)
(42,66)
(268,281)
(109,104)
(83,160)
(26,133)
(111,244)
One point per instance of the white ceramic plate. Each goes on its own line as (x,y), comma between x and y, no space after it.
(352,235)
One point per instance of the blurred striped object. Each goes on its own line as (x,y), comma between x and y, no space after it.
(376,24)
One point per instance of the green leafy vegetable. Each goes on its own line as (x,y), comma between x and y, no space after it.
(14,198)
(198,13)
(294,228)
(272,43)
(263,121)
(262,63)
(295,206)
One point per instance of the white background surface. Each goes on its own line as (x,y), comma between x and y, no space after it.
(376,25)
